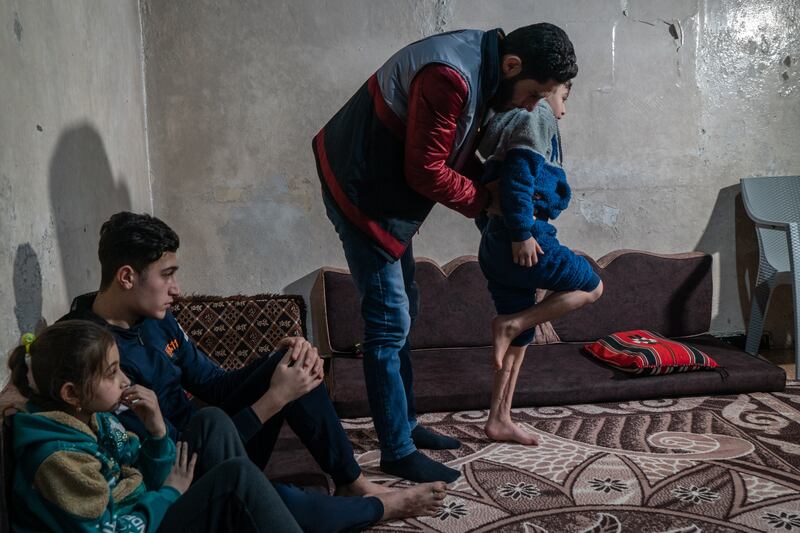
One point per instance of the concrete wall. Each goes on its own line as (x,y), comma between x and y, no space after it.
(72,149)
(674,103)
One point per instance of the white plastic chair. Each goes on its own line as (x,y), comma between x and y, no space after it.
(774,205)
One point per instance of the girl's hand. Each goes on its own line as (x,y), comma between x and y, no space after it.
(182,473)
(144,403)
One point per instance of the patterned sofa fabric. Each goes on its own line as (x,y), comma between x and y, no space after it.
(234,330)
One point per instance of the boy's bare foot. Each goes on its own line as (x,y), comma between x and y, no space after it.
(420,500)
(504,330)
(509,432)
(361,487)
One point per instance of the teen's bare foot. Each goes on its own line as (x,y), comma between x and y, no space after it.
(420,500)
(504,330)
(361,487)
(500,431)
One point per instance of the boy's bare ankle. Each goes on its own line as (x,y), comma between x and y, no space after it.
(510,432)
(360,487)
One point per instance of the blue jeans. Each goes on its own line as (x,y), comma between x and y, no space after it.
(389,303)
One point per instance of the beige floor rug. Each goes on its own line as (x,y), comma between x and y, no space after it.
(727,463)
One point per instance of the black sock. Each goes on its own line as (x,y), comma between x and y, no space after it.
(420,468)
(430,440)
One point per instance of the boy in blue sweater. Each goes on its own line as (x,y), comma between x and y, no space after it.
(519,252)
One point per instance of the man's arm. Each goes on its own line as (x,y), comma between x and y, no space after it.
(437,98)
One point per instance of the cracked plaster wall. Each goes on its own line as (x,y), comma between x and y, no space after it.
(674,103)
(72,149)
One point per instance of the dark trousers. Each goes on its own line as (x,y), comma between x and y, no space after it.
(213,436)
(311,417)
(234,497)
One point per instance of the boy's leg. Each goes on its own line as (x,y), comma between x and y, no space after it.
(385,310)
(317,512)
(233,496)
(506,327)
(259,445)
(571,278)
(499,426)
(312,417)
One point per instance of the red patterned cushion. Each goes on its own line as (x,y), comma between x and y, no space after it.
(643,352)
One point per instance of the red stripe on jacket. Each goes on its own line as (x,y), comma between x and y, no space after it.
(365,224)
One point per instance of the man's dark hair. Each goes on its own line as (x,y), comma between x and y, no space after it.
(135,240)
(545,50)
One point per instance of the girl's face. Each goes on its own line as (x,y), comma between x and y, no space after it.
(108,387)
(558,100)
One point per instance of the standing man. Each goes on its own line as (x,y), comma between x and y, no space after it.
(402,143)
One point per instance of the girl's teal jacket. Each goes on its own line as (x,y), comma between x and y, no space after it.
(72,477)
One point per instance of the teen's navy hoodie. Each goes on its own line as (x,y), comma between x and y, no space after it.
(158,354)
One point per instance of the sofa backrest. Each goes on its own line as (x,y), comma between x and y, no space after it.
(669,294)
(453,301)
(233,330)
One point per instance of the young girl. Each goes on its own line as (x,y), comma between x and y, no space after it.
(519,252)
(77,469)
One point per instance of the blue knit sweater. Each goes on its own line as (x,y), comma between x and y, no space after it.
(523,151)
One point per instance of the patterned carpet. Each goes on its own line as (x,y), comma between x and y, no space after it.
(726,463)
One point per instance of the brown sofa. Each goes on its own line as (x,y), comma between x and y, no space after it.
(669,294)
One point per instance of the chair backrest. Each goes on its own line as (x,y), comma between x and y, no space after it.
(772,200)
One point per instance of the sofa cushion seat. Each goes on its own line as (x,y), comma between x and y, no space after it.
(562,375)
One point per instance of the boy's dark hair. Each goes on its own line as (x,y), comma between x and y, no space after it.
(545,50)
(135,240)
(69,351)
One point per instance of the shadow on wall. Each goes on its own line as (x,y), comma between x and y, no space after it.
(83,195)
(28,290)
(732,235)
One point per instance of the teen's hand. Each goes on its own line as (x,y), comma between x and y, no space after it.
(301,352)
(182,473)
(293,379)
(526,253)
(144,403)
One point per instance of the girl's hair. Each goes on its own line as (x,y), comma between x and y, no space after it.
(70,351)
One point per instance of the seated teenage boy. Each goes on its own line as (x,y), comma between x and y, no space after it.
(138,270)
